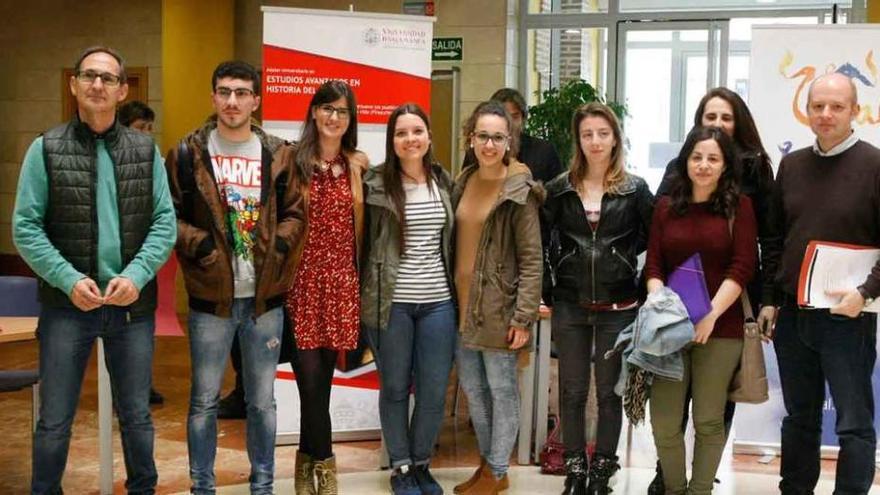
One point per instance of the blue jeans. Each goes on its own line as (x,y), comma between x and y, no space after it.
(210,340)
(417,348)
(66,338)
(813,346)
(489,379)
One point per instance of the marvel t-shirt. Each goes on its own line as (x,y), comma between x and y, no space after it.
(237,172)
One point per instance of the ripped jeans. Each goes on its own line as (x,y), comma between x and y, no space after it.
(210,339)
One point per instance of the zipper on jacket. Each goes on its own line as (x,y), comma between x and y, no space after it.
(566,256)
(593,267)
(554,269)
(615,252)
(594,230)
(379,307)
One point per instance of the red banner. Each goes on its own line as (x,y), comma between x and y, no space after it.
(167,324)
(290,78)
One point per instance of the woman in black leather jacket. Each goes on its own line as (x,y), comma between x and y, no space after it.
(595,222)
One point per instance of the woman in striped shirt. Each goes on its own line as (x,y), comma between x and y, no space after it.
(407,308)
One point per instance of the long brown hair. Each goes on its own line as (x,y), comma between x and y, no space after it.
(725,199)
(755,161)
(391,174)
(616,173)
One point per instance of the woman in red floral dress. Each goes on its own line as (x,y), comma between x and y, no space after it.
(323,304)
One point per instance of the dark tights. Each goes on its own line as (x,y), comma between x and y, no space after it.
(314,376)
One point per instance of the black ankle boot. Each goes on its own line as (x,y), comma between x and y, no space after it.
(601,470)
(657,486)
(575,473)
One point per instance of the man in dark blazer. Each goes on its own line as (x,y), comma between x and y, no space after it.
(538,154)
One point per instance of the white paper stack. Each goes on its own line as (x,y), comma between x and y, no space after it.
(830,266)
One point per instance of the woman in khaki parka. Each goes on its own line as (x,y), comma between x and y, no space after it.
(498,270)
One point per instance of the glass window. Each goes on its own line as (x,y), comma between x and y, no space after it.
(741,27)
(696,35)
(663,83)
(648,86)
(841,18)
(559,55)
(634,36)
(740,48)
(690,5)
(695,87)
(567,6)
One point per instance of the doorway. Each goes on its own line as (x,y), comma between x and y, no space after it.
(664,69)
(445,124)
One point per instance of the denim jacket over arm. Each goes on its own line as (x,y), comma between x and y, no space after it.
(654,341)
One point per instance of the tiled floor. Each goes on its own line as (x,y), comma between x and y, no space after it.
(529,481)
(358,461)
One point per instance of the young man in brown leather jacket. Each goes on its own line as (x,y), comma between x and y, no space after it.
(240,220)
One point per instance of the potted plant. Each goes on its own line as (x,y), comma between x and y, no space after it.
(551,119)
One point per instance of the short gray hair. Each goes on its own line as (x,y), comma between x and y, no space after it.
(102,49)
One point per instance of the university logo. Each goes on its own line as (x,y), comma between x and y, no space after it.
(371,37)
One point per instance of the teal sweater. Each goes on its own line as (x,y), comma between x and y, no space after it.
(44,259)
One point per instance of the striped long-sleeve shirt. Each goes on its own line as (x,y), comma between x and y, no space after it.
(421,277)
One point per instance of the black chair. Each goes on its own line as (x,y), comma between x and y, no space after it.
(18,297)
(15,380)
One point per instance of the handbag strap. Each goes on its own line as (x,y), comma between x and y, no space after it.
(744,295)
(554,433)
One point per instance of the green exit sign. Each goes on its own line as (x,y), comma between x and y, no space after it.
(446,49)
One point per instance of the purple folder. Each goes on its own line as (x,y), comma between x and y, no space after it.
(689,282)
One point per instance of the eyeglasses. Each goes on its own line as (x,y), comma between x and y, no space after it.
(328,111)
(224,93)
(497,139)
(107,78)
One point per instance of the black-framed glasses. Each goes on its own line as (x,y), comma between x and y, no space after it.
(224,92)
(341,112)
(497,139)
(88,76)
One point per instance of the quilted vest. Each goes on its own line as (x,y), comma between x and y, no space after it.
(71,222)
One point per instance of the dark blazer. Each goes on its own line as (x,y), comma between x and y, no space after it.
(540,156)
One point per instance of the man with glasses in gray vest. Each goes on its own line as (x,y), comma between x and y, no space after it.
(94,220)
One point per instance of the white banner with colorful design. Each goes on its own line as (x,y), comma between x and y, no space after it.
(386,59)
(784,61)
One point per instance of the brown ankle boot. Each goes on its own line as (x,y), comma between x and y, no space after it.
(503,484)
(325,472)
(304,474)
(462,487)
(487,484)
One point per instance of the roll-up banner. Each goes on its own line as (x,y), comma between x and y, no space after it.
(386,59)
(784,61)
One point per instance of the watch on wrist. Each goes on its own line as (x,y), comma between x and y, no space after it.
(866,296)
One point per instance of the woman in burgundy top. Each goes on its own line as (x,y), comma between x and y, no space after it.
(696,218)
(323,304)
